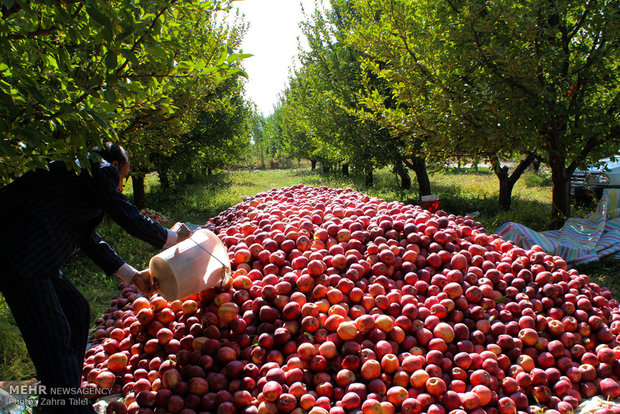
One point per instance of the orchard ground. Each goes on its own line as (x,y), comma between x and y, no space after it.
(462,191)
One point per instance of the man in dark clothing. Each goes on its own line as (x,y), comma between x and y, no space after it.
(46,215)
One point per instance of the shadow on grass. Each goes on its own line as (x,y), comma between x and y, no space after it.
(465,171)
(384,182)
(532,213)
(604,273)
(194,202)
(453,198)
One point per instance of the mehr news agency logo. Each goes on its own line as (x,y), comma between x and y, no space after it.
(16,395)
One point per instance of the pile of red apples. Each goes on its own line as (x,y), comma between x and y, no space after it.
(345,303)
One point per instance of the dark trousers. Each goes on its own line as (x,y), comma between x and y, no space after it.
(54,318)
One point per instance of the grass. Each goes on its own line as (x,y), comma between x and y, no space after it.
(461,191)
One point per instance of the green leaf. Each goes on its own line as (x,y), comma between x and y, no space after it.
(111,60)
(52,61)
(237,71)
(200,64)
(99,17)
(110,95)
(222,57)
(185,66)
(74,34)
(210,69)
(238,56)
(130,56)
(107,33)
(8,3)
(5,86)
(127,31)
(99,119)
(64,58)
(36,93)
(158,51)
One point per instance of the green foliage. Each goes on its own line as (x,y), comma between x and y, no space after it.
(533,179)
(319,120)
(73,74)
(497,79)
(273,143)
(155,133)
(219,137)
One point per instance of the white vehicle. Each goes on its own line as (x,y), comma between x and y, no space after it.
(585,185)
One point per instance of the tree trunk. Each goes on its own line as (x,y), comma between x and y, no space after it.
(209,171)
(418,165)
(164,180)
(505,191)
(405,180)
(507,182)
(369,178)
(137,181)
(325,168)
(313,164)
(345,169)
(560,204)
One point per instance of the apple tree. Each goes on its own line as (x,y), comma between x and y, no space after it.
(500,79)
(74,74)
(332,74)
(220,136)
(157,135)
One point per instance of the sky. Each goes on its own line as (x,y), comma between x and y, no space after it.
(272,38)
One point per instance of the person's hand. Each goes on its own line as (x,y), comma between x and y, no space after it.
(183,232)
(143,280)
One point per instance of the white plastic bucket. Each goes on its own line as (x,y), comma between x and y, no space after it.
(198,263)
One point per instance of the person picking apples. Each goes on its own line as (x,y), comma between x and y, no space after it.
(46,216)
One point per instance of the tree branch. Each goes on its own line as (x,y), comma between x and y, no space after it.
(493,67)
(486,60)
(523,164)
(581,21)
(589,145)
(408,163)
(597,44)
(594,141)
(501,172)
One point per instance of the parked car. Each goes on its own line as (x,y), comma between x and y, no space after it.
(590,183)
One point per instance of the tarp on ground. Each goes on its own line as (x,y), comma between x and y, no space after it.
(580,240)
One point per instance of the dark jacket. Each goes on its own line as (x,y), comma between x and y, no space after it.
(45,216)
